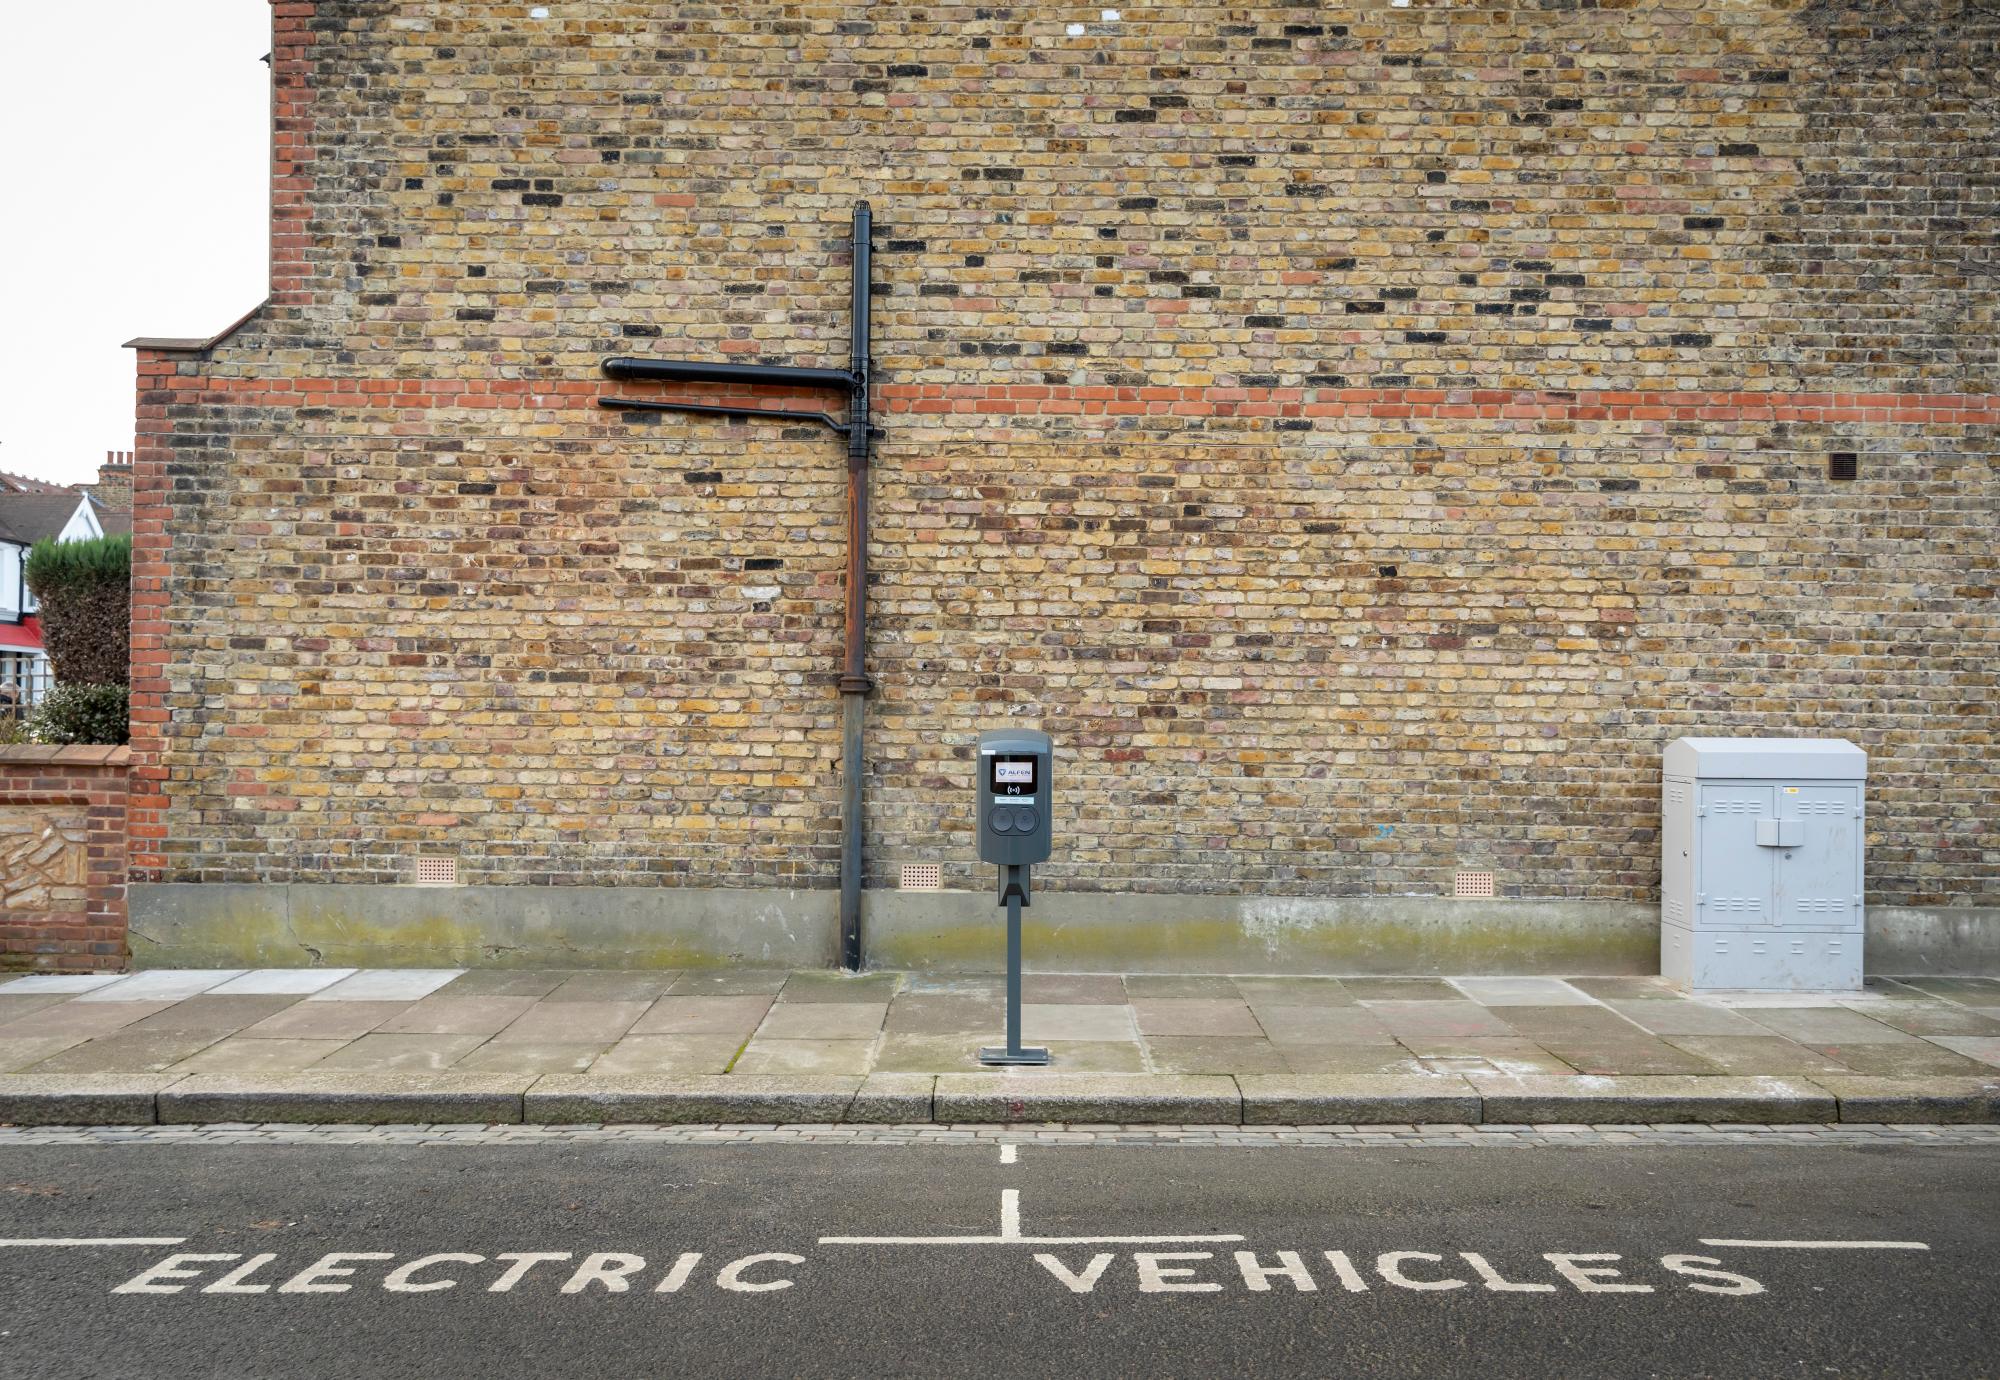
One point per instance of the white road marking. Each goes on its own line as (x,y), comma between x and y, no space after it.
(1007,1153)
(92,1240)
(1010,1234)
(732,1279)
(1079,1281)
(1818,1245)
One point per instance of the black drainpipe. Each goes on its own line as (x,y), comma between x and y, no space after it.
(854,680)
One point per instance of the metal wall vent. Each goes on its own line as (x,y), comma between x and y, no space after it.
(1472,884)
(437,871)
(922,877)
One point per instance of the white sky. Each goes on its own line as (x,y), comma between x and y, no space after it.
(135,205)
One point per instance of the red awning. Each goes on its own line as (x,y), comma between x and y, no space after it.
(25,635)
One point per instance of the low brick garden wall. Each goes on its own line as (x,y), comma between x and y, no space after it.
(62,859)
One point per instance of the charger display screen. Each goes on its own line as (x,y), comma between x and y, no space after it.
(1012,775)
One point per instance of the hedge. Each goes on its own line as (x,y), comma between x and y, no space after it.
(85,589)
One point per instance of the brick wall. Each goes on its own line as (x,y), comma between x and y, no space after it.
(1363,436)
(62,859)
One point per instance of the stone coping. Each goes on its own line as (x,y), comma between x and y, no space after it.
(72,755)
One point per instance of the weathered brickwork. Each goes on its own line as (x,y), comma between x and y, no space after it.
(62,859)
(1362,436)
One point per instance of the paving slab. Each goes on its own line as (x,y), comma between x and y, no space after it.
(237,1055)
(1049,1095)
(661,1054)
(282,982)
(212,1014)
(1214,1054)
(1686,1018)
(894,1099)
(332,1020)
(841,987)
(588,986)
(1757,1054)
(1966,991)
(787,1057)
(1829,1025)
(370,1099)
(1323,1025)
(1042,1022)
(1932,1018)
(561,1098)
(1918,1059)
(1915,1100)
(943,1015)
(1401,989)
(730,982)
(574,1020)
(1638,1055)
(958,985)
(1627,988)
(1196,1016)
(13,1008)
(926,1053)
(814,1020)
(399,1054)
(507,982)
(1522,991)
(1083,1056)
(1984,1048)
(163,984)
(1497,1056)
(1358,1099)
(1179,987)
(1294,991)
(528,1056)
(1350,1059)
(388,984)
(69,984)
(1070,989)
(1457,1019)
(127,1051)
(1590,1100)
(444,1015)
(736,1016)
(75,1099)
(74,1018)
(18,1054)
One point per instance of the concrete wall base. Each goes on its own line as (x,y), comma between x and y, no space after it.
(352,926)
(965,931)
(274,926)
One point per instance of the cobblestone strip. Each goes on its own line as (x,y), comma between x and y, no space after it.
(1239,1137)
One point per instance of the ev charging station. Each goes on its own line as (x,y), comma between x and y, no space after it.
(1014,788)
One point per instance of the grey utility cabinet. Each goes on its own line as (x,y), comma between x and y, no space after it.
(1760,884)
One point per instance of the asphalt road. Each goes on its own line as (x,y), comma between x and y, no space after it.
(1035,1291)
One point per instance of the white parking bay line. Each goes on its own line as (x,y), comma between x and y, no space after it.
(1010,1234)
(92,1240)
(1008,1153)
(1818,1245)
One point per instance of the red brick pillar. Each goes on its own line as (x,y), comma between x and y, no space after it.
(62,859)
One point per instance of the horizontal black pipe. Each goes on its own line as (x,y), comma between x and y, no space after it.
(720,410)
(695,371)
